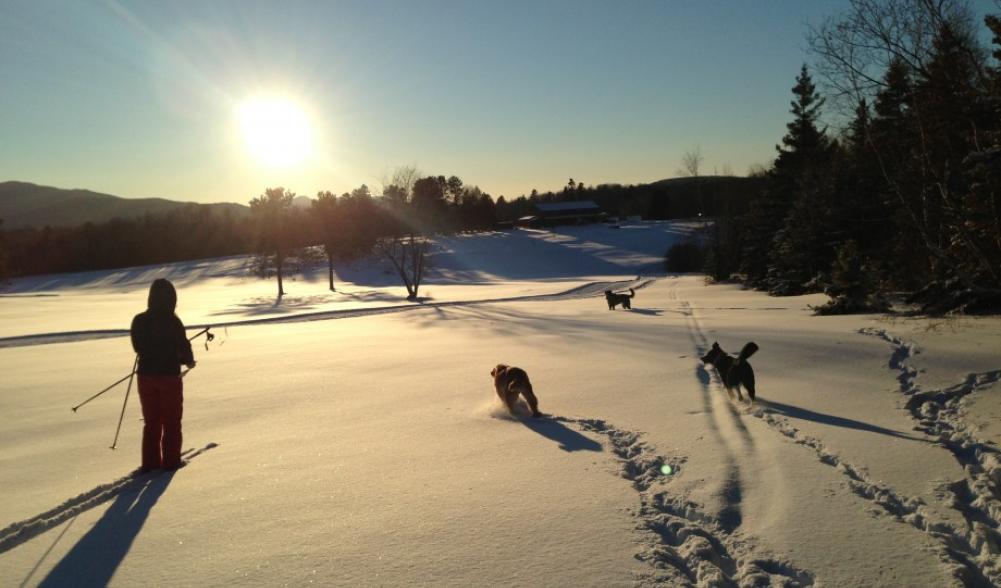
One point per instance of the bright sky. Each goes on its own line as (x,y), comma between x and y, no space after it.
(215,101)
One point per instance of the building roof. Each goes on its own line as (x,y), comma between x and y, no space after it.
(588,205)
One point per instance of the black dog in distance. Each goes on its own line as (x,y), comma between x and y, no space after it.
(615,298)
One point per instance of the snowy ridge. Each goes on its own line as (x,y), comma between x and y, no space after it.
(940,414)
(46,338)
(687,547)
(22,531)
(589,290)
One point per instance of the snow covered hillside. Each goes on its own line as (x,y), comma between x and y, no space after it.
(371,449)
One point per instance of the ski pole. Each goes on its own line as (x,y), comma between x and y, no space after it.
(127,391)
(204,331)
(126,377)
(208,335)
(131,376)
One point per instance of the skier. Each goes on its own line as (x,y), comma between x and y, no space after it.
(159,340)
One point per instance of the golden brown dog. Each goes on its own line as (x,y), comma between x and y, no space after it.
(511,381)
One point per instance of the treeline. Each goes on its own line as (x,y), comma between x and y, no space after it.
(190,232)
(427,204)
(908,196)
(667,199)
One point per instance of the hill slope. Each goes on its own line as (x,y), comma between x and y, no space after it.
(23,204)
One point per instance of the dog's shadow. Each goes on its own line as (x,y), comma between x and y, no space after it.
(568,439)
(805,414)
(648,311)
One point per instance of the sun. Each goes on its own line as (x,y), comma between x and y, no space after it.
(275,130)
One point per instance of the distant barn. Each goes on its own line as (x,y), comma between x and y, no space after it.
(574,212)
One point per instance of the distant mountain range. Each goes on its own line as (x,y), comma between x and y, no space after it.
(23,204)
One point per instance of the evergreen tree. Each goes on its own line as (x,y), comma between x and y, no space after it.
(955,117)
(858,210)
(853,287)
(786,227)
(428,203)
(328,219)
(982,201)
(272,210)
(803,143)
(893,134)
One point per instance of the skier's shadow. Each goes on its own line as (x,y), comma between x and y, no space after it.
(94,559)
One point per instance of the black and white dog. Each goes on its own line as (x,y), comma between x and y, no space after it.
(734,371)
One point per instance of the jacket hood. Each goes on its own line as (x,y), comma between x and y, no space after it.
(162,296)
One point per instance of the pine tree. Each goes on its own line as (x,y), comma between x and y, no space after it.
(794,215)
(853,288)
(803,143)
(982,201)
(767,213)
(955,118)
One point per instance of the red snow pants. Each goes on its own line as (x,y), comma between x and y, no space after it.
(162,400)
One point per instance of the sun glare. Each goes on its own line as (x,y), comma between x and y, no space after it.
(275,131)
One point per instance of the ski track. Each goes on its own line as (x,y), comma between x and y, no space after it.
(687,546)
(589,290)
(20,532)
(718,540)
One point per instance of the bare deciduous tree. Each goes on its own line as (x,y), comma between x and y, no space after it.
(691,162)
(857,47)
(409,255)
(400,186)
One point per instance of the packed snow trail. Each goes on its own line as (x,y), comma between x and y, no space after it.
(688,546)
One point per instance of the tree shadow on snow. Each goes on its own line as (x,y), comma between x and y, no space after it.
(797,412)
(373,296)
(96,556)
(508,321)
(568,439)
(265,305)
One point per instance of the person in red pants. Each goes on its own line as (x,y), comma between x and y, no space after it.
(158,338)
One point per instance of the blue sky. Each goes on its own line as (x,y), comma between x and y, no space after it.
(139,98)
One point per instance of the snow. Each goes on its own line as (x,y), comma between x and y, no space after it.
(353,438)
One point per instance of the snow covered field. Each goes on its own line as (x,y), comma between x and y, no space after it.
(365,446)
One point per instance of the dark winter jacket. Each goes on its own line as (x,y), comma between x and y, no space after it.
(158,335)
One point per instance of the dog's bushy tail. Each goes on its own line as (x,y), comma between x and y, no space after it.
(631,293)
(747,351)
